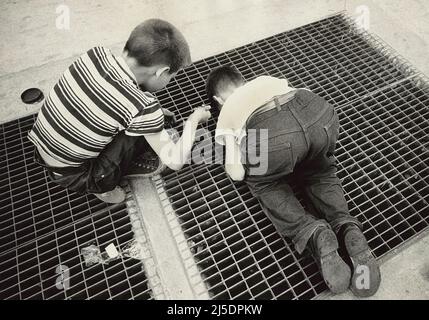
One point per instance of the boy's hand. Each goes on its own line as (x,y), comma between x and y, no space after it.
(201,114)
(235,171)
(169,117)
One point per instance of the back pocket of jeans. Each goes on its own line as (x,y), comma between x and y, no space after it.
(281,157)
(274,156)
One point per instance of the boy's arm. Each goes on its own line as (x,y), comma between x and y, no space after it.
(174,155)
(233,165)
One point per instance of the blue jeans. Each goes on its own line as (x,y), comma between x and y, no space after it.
(301,138)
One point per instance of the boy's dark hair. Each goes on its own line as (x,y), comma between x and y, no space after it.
(219,78)
(157,42)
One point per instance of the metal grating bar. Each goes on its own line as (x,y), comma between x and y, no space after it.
(383,155)
(382,152)
(43,226)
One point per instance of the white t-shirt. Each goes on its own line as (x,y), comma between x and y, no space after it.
(243,102)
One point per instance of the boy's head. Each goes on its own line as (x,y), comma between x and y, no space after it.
(221,83)
(155,52)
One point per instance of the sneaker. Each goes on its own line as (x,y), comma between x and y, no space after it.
(336,273)
(117,195)
(362,260)
(145,165)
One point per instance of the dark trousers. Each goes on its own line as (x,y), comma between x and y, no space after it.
(101,174)
(301,142)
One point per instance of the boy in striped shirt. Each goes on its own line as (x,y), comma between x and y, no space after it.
(101,113)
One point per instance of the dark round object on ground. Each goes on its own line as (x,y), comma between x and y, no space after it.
(32,95)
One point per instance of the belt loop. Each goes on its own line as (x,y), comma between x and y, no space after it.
(277,103)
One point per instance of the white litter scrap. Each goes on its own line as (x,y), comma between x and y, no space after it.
(133,250)
(92,254)
(111,251)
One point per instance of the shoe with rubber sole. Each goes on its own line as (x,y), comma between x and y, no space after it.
(117,195)
(335,271)
(366,276)
(145,165)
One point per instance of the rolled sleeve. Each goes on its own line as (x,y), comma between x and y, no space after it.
(149,121)
(221,133)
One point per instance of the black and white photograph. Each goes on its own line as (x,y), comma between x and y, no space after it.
(214,159)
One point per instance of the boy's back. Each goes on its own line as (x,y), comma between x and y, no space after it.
(97,121)
(96,97)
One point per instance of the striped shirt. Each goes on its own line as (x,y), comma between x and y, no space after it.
(95,98)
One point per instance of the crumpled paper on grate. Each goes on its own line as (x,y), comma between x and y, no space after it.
(92,254)
(132,250)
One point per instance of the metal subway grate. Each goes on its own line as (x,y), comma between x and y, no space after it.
(43,226)
(383,155)
(330,57)
(382,151)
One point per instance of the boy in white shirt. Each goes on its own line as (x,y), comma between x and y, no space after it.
(294,131)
